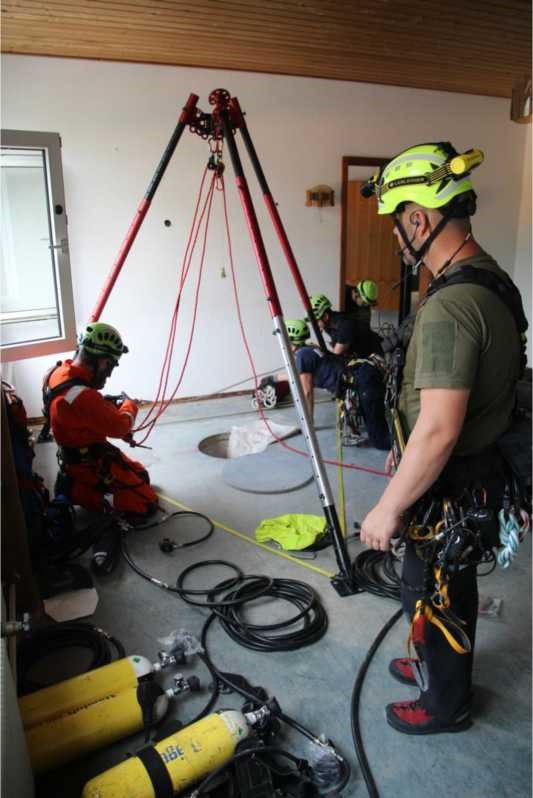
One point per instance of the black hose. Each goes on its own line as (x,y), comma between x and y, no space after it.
(271,637)
(258,701)
(374,572)
(189,513)
(356,695)
(243,588)
(40,643)
(237,591)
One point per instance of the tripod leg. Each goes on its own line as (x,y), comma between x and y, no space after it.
(343,581)
(186,117)
(276,221)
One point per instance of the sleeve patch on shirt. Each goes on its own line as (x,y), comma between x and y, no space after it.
(438,345)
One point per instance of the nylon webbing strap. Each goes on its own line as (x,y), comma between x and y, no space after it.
(159,776)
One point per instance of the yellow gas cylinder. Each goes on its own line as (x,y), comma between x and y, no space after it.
(187,756)
(80,691)
(86,729)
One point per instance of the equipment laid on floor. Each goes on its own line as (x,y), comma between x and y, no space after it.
(69,695)
(293,532)
(101,722)
(74,717)
(42,642)
(177,761)
(219,127)
(228,598)
(232,746)
(270,393)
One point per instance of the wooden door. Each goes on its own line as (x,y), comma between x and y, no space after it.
(371,248)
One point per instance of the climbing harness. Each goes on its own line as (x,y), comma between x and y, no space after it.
(350,412)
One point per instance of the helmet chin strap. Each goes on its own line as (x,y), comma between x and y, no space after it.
(418,254)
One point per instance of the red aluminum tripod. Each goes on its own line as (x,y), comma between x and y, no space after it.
(225,118)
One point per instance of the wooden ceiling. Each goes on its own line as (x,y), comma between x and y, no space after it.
(471,46)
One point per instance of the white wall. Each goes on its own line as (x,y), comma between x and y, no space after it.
(115,120)
(522,264)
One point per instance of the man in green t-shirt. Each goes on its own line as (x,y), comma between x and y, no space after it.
(457,396)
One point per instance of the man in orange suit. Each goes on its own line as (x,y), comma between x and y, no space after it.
(82,419)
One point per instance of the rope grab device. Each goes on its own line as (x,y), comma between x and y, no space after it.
(220,125)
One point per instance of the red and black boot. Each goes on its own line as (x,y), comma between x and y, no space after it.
(410,717)
(402,670)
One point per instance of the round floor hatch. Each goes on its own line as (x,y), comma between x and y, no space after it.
(216,445)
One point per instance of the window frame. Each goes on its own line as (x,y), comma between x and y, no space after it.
(50,144)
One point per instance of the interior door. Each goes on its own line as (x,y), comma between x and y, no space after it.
(371,249)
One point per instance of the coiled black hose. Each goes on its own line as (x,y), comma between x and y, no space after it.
(280,636)
(227,598)
(233,594)
(375,572)
(40,643)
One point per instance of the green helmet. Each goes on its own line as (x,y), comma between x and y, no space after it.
(368,291)
(297,330)
(102,340)
(429,174)
(319,304)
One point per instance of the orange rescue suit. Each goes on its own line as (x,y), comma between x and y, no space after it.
(82,420)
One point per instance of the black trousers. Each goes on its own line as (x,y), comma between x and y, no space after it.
(371,391)
(449,674)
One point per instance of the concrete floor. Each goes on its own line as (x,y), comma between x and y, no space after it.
(314,684)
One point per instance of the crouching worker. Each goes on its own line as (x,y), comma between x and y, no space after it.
(82,419)
(326,370)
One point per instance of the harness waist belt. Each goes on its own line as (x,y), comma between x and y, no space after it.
(73,455)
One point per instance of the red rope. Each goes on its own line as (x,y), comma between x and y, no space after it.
(149,423)
(252,364)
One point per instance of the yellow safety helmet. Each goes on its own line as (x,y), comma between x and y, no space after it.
(368,291)
(431,175)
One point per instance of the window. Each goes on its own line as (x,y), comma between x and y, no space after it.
(36,304)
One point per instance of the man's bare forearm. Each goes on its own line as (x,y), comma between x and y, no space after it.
(423,460)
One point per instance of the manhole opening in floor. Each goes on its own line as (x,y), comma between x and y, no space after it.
(216,446)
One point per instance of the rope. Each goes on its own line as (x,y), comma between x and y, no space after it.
(162,403)
(340,474)
(244,337)
(165,370)
(184,273)
(511,534)
(247,539)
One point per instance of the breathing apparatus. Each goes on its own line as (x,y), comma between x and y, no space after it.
(432,176)
(206,749)
(84,713)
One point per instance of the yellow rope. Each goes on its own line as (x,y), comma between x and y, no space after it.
(340,474)
(248,539)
